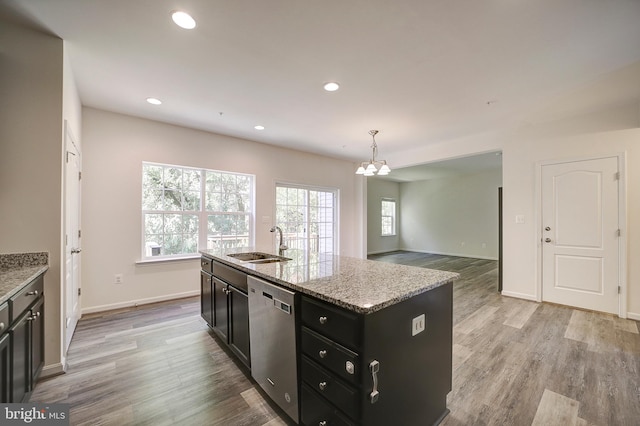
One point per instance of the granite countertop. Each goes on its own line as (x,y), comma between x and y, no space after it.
(18,270)
(359,285)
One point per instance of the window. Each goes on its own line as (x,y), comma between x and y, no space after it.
(388,217)
(307,217)
(184,209)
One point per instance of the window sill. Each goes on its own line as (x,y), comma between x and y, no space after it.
(167,259)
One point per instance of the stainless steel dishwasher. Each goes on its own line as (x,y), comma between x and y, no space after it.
(273,343)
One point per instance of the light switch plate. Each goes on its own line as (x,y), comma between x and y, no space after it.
(418,324)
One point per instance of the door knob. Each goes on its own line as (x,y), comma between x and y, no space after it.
(547,240)
(76,250)
(547,229)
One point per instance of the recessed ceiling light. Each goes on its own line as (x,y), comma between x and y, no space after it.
(183,19)
(154,101)
(332,86)
(258,127)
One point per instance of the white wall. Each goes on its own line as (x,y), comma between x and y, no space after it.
(455,216)
(114,147)
(523,148)
(377,189)
(31,116)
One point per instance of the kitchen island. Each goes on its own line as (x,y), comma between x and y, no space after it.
(373,339)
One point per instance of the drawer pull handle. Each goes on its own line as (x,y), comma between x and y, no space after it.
(322,353)
(374,366)
(323,423)
(323,320)
(32,293)
(2,326)
(322,385)
(34,317)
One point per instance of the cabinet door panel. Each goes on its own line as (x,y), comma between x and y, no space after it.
(239,324)
(206,298)
(37,342)
(5,368)
(220,319)
(20,358)
(331,355)
(316,411)
(345,397)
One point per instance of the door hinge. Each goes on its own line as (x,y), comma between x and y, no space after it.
(618,289)
(80,292)
(79,233)
(79,175)
(619,233)
(66,240)
(617,176)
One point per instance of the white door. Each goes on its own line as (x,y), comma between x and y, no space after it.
(72,236)
(580,234)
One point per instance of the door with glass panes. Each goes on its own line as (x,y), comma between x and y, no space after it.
(307,217)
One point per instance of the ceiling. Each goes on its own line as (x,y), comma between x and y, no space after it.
(421,72)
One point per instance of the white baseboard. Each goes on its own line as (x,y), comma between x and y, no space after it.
(138,302)
(517,295)
(633,316)
(52,370)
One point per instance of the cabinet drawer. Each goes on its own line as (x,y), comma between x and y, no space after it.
(230,275)
(337,324)
(205,264)
(331,355)
(317,411)
(4,317)
(26,297)
(326,384)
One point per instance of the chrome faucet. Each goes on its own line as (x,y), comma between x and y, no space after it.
(282,247)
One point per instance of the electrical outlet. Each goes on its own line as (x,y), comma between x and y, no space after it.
(418,324)
(484,245)
(117,279)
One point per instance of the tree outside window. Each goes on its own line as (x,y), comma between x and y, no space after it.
(184,209)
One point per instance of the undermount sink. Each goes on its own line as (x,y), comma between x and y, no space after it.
(258,257)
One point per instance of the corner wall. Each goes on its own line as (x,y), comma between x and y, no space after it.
(456,216)
(114,147)
(31,113)
(377,189)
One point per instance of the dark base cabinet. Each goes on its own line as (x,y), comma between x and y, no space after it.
(5,368)
(371,369)
(22,348)
(225,306)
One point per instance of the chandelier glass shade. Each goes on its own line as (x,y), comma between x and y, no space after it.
(373,166)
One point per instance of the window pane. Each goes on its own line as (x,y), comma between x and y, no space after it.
(153,224)
(152,199)
(172,200)
(173,178)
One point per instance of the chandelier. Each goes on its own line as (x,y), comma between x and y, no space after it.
(369,168)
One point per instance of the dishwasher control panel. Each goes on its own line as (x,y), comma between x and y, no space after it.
(279,304)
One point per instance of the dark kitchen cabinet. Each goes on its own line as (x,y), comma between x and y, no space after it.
(225,305)
(239,323)
(352,371)
(27,340)
(206,297)
(5,354)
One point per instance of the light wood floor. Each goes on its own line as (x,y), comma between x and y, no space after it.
(515,363)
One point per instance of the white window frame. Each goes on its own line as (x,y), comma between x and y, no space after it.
(393,232)
(201,213)
(336,211)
